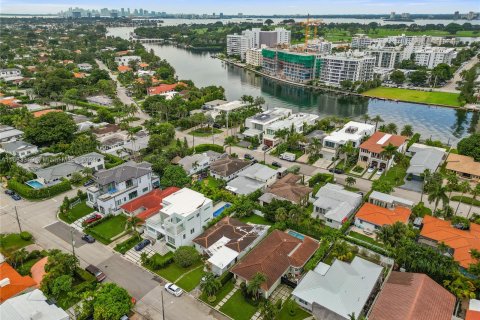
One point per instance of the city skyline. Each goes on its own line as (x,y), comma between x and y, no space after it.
(247,7)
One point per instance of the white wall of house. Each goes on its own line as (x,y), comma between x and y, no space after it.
(364,225)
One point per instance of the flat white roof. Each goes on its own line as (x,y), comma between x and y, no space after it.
(223,257)
(352,131)
(230,106)
(295,119)
(183,202)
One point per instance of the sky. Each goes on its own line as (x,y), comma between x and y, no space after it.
(260,7)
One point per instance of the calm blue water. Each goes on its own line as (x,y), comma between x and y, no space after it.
(34,184)
(220,210)
(296,234)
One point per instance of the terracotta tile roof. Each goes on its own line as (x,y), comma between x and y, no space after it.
(40,113)
(288,188)
(412,296)
(38,270)
(123,69)
(79,75)
(148,204)
(463,164)
(462,241)
(143,64)
(122,53)
(274,255)
(17,285)
(373,145)
(381,216)
(163,88)
(472,315)
(11,102)
(239,233)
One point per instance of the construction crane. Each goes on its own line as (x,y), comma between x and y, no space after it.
(308,24)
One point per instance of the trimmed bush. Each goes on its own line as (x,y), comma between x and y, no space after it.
(319,255)
(368,246)
(34,194)
(157,262)
(208,147)
(27,236)
(128,244)
(186,256)
(224,278)
(320,178)
(112,161)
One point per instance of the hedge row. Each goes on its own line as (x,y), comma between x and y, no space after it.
(320,177)
(112,161)
(34,194)
(368,246)
(128,244)
(467,200)
(224,278)
(157,262)
(319,255)
(208,147)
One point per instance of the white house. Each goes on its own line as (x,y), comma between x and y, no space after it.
(181,218)
(198,162)
(8,133)
(352,131)
(297,121)
(339,290)
(115,186)
(84,67)
(125,60)
(257,124)
(335,205)
(11,72)
(253,178)
(19,149)
(92,160)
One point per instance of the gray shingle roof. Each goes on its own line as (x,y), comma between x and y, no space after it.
(58,171)
(123,172)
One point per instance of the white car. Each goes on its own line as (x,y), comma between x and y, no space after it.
(380,171)
(173,289)
(370,169)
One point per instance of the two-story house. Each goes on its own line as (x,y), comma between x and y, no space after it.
(181,218)
(125,60)
(199,162)
(257,124)
(353,131)
(253,178)
(371,150)
(297,122)
(116,186)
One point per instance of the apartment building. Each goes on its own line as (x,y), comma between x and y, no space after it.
(256,38)
(297,121)
(360,41)
(289,65)
(116,186)
(257,125)
(253,57)
(125,60)
(181,218)
(386,57)
(348,66)
(430,57)
(352,131)
(237,45)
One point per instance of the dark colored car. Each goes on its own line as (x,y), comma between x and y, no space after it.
(97,273)
(88,183)
(217,125)
(9,192)
(142,244)
(276,164)
(264,148)
(88,238)
(248,156)
(94,217)
(337,171)
(16,197)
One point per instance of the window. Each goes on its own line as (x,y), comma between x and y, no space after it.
(132,195)
(329,220)
(129,183)
(198,214)
(184,237)
(192,231)
(171,240)
(145,189)
(191,218)
(119,202)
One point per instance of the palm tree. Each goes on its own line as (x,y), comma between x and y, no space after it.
(268,311)
(464,187)
(377,119)
(281,214)
(392,128)
(452,183)
(350,181)
(365,117)
(388,152)
(132,224)
(282,134)
(229,141)
(255,284)
(407,131)
(426,177)
(346,150)
(438,193)
(314,147)
(475,193)
(210,285)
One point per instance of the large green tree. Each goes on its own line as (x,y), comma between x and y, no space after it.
(397,76)
(470,146)
(174,176)
(51,128)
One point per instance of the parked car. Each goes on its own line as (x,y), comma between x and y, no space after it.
(370,169)
(288,156)
(89,183)
(337,171)
(97,273)
(217,125)
(142,244)
(88,238)
(248,156)
(173,289)
(16,197)
(265,148)
(380,171)
(9,192)
(94,217)
(276,164)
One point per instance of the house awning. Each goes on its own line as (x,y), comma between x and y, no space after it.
(252,133)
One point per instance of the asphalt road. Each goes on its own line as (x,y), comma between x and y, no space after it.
(64,232)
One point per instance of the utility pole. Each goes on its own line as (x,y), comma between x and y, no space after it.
(163,308)
(18,220)
(73,241)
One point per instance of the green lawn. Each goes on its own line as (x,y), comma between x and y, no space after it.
(299,314)
(364,238)
(192,279)
(220,294)
(12,242)
(205,132)
(238,308)
(128,244)
(440,98)
(105,231)
(212,182)
(256,219)
(173,271)
(395,175)
(77,212)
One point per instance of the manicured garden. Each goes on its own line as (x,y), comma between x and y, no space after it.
(238,308)
(466,200)
(128,244)
(364,238)
(14,241)
(205,132)
(224,290)
(191,279)
(173,271)
(255,219)
(78,211)
(292,311)
(440,98)
(107,228)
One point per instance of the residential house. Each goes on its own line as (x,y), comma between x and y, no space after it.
(10,102)
(31,306)
(253,178)
(38,114)
(101,100)
(424,158)
(228,241)
(473,311)
(335,205)
(353,132)
(296,122)
(337,291)
(85,67)
(287,189)
(54,174)
(106,130)
(228,168)
(412,296)
(257,124)
(464,166)
(147,205)
(181,218)
(113,141)
(388,201)
(8,133)
(123,69)
(212,104)
(163,89)
(19,149)
(12,283)
(118,185)
(199,161)
(227,108)
(125,60)
(279,255)
(371,217)
(371,155)
(92,160)
(11,72)
(435,231)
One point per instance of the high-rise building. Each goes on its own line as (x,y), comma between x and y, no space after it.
(293,66)
(76,14)
(456,15)
(221,15)
(430,57)
(348,66)
(392,15)
(237,45)
(240,14)
(386,57)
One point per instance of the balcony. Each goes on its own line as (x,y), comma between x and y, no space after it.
(174,228)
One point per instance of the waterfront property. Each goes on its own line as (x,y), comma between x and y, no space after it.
(125,60)
(257,125)
(371,150)
(464,166)
(346,66)
(424,158)
(353,132)
(279,255)
(181,218)
(296,122)
(290,65)
(227,242)
(339,290)
(417,96)
(253,178)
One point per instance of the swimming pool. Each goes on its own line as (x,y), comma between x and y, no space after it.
(221,209)
(35,184)
(296,234)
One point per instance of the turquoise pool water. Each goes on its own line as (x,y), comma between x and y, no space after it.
(34,184)
(296,234)
(220,210)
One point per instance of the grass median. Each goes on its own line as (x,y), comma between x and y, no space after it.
(416,96)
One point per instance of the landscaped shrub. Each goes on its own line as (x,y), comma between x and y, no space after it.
(159,262)
(47,192)
(126,245)
(206,147)
(224,278)
(368,246)
(112,161)
(186,256)
(27,236)
(319,255)
(320,178)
